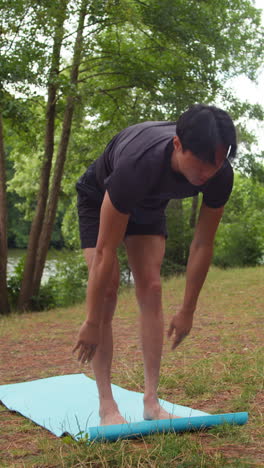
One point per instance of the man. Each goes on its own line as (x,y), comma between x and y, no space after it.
(122,198)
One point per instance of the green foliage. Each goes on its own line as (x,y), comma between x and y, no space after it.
(125,272)
(179,237)
(14,281)
(240,240)
(143,61)
(239,245)
(68,285)
(65,286)
(18,228)
(43,301)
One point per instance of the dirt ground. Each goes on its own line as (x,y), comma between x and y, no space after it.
(40,348)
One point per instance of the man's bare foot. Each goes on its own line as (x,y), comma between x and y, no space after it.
(110,414)
(153,410)
(112,418)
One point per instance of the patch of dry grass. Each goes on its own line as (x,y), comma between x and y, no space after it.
(219,368)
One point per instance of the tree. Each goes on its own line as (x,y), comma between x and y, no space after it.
(28,281)
(136,60)
(19,48)
(4,305)
(172,54)
(62,152)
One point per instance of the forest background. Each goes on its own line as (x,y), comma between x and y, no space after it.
(75,73)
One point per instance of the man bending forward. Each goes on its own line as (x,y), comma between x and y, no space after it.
(122,198)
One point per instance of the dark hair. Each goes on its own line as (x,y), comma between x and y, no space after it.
(202,129)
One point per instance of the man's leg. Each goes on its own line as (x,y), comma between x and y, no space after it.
(102,360)
(145,254)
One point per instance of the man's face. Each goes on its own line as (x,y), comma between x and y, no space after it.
(197,172)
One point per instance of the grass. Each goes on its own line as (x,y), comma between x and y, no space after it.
(219,368)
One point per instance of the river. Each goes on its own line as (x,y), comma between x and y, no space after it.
(54,256)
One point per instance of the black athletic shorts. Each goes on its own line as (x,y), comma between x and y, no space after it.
(90,197)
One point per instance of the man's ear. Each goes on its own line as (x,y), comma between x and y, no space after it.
(177,143)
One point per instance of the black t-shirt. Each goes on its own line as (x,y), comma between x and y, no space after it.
(135,169)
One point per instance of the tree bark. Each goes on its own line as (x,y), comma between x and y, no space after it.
(61,156)
(36,226)
(4,304)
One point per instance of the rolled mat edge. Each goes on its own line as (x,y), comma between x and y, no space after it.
(142,428)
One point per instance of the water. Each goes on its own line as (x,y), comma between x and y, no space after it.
(54,257)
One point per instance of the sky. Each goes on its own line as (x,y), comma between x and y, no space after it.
(243,86)
(245,89)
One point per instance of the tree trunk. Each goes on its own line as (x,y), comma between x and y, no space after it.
(4,304)
(61,156)
(36,226)
(193,216)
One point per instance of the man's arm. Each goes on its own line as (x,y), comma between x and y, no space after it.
(199,260)
(111,233)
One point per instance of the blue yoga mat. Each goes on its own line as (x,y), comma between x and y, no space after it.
(69,404)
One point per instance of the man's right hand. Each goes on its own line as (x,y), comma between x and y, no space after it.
(88,339)
(180,326)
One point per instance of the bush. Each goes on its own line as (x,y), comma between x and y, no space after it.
(239,239)
(64,288)
(238,245)
(68,285)
(14,282)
